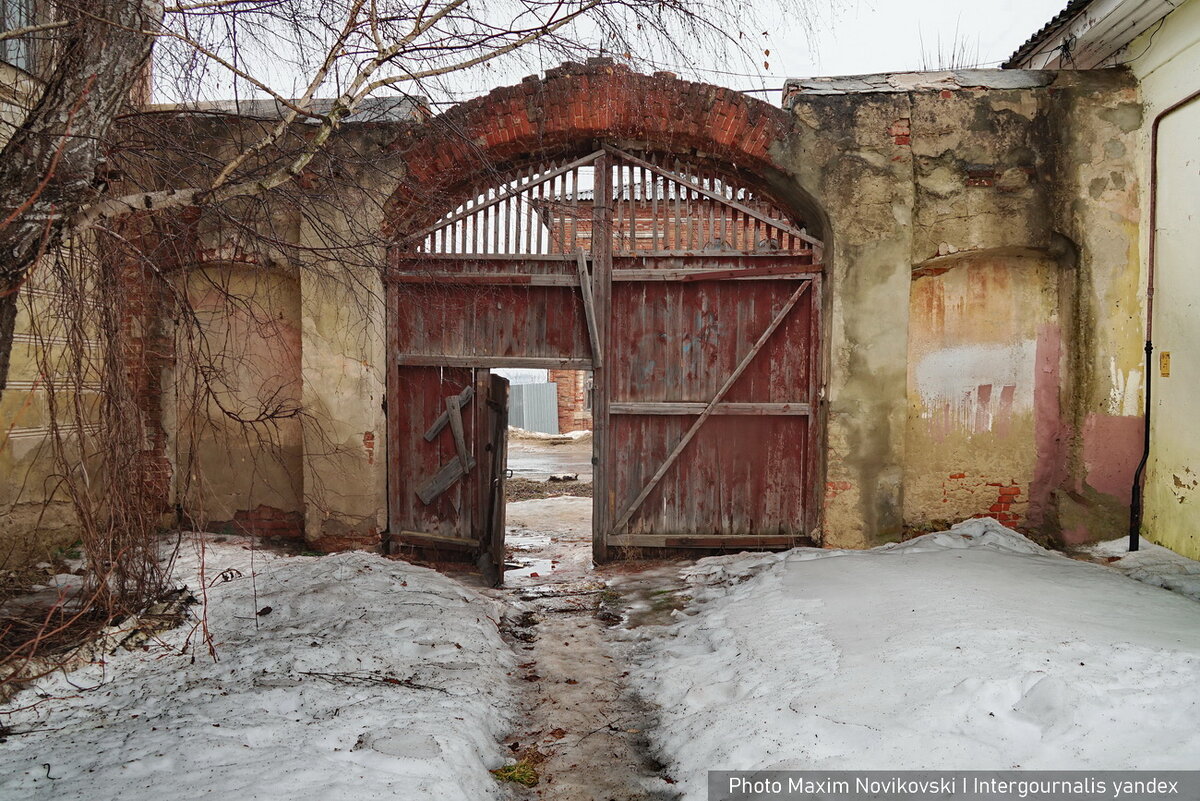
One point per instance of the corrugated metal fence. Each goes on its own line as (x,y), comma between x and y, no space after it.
(534,407)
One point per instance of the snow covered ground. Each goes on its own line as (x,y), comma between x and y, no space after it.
(356,677)
(367,678)
(1152,564)
(968,649)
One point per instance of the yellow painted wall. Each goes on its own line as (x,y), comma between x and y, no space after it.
(237,388)
(45,387)
(1168,65)
(17,90)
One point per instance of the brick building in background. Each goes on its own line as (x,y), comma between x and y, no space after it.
(574,399)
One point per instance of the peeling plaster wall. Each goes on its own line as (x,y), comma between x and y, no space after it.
(983,230)
(981,302)
(344,446)
(36,514)
(983,382)
(238,387)
(1097,186)
(842,152)
(1168,71)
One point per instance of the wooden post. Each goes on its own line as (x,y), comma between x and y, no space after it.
(602,235)
(589,308)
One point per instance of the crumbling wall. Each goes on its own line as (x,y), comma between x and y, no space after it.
(981,281)
(238,394)
(574,410)
(1009,199)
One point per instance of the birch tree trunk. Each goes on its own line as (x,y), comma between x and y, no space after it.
(48,170)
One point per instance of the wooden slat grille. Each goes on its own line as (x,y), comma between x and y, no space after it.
(660,205)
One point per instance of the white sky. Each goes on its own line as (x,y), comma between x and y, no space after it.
(847,37)
(862,36)
(835,37)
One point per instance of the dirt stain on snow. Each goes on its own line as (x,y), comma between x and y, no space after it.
(583,729)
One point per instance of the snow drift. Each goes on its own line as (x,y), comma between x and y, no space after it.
(967,649)
(343,677)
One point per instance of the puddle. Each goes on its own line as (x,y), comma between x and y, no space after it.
(650,594)
(538,461)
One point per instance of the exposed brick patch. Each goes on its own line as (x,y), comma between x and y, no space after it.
(1002,500)
(981,175)
(338,535)
(836,488)
(900,131)
(264,521)
(566,114)
(141,301)
(369,446)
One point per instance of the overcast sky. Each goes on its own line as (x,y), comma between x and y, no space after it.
(852,37)
(835,37)
(890,35)
(847,37)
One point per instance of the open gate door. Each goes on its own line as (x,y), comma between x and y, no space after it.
(448,500)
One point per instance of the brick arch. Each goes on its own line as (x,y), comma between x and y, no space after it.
(565,114)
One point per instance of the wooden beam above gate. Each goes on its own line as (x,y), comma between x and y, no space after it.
(485,361)
(744,409)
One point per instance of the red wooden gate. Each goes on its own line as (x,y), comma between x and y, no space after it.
(694,299)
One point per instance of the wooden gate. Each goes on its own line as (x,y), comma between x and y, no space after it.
(693,297)
(446,499)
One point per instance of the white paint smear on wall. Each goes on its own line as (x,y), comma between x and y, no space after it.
(949,380)
(1125,397)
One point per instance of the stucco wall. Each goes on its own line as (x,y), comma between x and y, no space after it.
(981,297)
(983,369)
(36,514)
(1025,184)
(1168,66)
(238,393)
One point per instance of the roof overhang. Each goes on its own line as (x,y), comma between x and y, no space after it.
(1089,34)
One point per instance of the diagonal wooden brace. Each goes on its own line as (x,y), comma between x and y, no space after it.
(589,306)
(464,398)
(456,427)
(442,480)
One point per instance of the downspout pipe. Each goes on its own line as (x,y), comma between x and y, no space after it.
(1135,504)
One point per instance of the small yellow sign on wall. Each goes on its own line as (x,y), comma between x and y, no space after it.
(1164,364)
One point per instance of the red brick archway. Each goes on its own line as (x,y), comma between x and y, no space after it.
(701,299)
(566,113)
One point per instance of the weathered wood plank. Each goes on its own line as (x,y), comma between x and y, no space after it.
(797,409)
(701,274)
(456,428)
(589,308)
(435,540)
(443,480)
(447,360)
(405,261)
(750,541)
(602,218)
(704,415)
(486,279)
(464,397)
